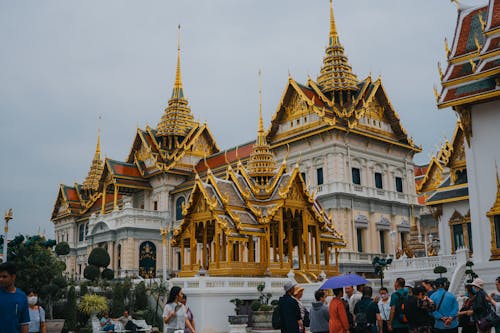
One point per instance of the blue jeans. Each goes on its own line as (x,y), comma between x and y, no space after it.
(108,327)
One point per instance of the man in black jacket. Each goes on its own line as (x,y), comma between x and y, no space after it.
(290,318)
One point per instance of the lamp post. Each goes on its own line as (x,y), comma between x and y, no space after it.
(392,234)
(7,216)
(164,233)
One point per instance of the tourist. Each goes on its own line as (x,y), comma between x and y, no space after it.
(338,313)
(429,286)
(418,309)
(127,322)
(465,320)
(174,313)
(189,314)
(319,313)
(384,308)
(37,314)
(353,296)
(481,301)
(289,310)
(446,312)
(366,313)
(14,313)
(396,321)
(298,292)
(106,323)
(496,297)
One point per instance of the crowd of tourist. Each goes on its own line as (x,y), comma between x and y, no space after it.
(422,308)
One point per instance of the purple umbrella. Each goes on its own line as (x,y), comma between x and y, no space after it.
(342,281)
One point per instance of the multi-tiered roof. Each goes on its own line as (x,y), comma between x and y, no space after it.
(472,74)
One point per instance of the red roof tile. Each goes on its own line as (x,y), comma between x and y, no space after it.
(126,170)
(463,37)
(220,158)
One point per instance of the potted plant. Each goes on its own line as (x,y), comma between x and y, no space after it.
(238,319)
(262,311)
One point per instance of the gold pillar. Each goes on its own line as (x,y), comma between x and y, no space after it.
(280,238)
(217,244)
(103,199)
(204,250)
(182,254)
(192,246)
(318,249)
(229,251)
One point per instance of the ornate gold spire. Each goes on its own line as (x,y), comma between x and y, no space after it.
(336,73)
(177,119)
(262,164)
(96,169)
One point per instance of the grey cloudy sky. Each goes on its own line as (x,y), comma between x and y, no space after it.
(65,63)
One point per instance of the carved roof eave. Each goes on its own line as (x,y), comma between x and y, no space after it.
(430,169)
(356,112)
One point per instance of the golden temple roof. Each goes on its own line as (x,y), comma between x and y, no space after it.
(336,73)
(95,172)
(177,119)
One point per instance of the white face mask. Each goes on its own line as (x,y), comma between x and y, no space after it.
(32,300)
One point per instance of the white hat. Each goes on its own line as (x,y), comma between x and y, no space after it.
(477,283)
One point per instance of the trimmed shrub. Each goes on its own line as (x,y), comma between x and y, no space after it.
(99,257)
(108,274)
(91,273)
(62,249)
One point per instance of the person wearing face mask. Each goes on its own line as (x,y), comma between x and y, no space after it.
(37,314)
(481,302)
(384,307)
(464,319)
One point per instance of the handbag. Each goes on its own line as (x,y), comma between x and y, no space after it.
(491,319)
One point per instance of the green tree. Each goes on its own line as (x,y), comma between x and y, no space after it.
(440,270)
(108,274)
(118,301)
(91,273)
(99,257)
(71,310)
(141,299)
(38,268)
(62,249)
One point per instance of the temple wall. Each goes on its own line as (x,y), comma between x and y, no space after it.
(482,155)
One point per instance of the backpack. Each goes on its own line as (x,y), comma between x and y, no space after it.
(276,319)
(399,312)
(361,320)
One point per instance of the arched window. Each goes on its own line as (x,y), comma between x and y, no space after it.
(178,208)
(81,232)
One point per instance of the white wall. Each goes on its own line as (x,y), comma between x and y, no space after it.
(481,158)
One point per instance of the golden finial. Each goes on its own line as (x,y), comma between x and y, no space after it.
(441,74)
(8,215)
(446,47)
(236,153)
(333,28)
(436,94)
(261,123)
(498,179)
(178,78)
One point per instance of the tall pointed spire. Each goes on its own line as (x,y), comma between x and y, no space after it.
(96,168)
(177,120)
(262,165)
(336,73)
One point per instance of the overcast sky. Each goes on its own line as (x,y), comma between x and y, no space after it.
(65,63)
